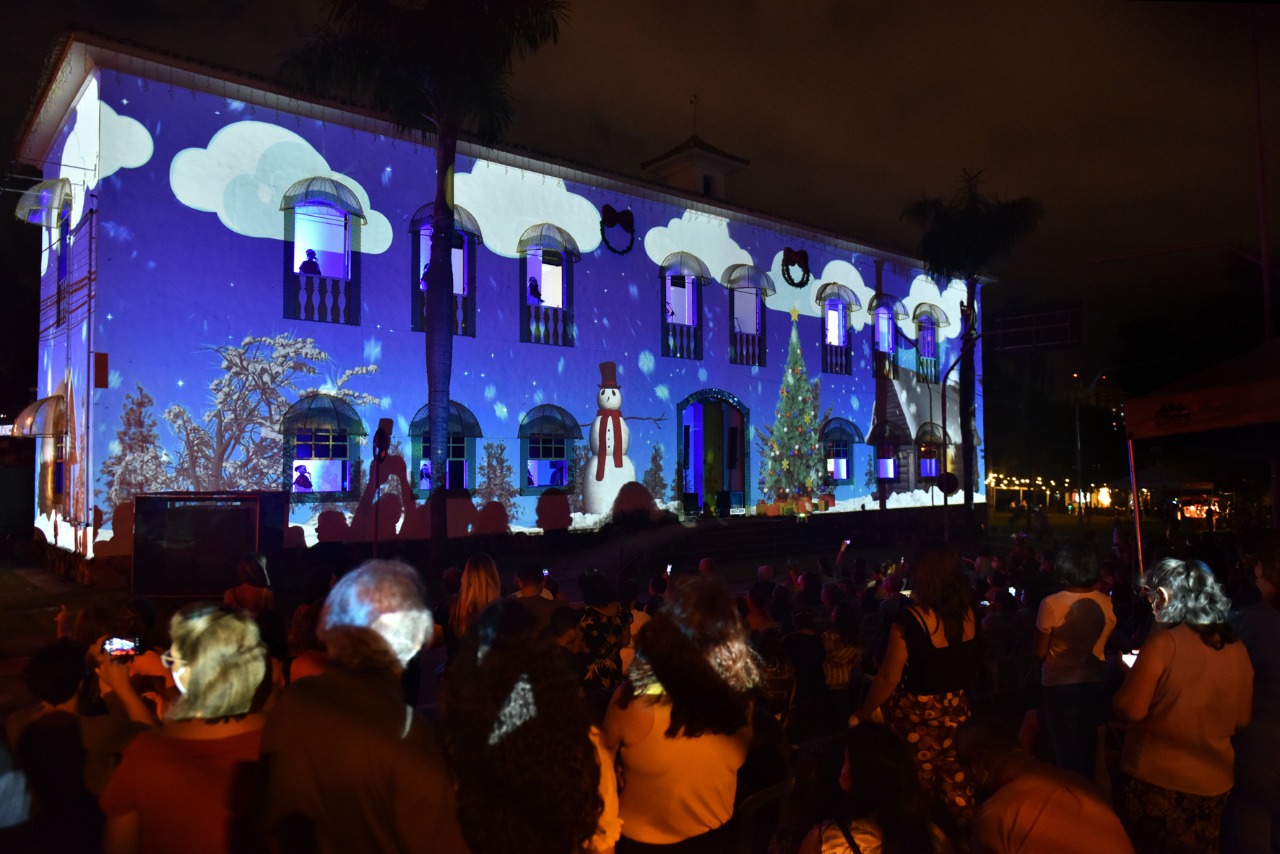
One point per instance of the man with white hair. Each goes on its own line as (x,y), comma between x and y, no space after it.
(351,766)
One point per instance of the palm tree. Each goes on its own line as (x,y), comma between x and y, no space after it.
(962,237)
(438,68)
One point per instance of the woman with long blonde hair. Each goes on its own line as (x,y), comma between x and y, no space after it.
(480,587)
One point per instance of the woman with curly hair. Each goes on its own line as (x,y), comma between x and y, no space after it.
(934,650)
(189,783)
(519,744)
(479,588)
(1190,689)
(681,722)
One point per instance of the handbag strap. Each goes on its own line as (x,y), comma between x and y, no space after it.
(848,838)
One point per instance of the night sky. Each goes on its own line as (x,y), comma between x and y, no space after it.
(1132,123)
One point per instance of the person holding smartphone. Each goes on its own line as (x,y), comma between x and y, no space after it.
(1187,694)
(186,780)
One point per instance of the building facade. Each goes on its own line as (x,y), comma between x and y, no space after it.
(232,301)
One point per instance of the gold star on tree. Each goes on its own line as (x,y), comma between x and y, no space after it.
(795,314)
(786,464)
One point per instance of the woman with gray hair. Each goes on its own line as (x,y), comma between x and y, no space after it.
(1190,689)
(191,780)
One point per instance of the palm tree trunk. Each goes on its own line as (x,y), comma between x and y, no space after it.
(968,389)
(439,334)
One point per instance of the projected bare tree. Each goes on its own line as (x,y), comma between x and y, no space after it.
(236,443)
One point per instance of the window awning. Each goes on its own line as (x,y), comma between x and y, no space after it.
(46,204)
(841,430)
(931,311)
(544,235)
(746,277)
(323,191)
(835,290)
(892,303)
(463,221)
(461,422)
(46,417)
(549,419)
(931,434)
(323,412)
(684,264)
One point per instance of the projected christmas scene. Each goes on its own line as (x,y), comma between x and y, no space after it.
(233,299)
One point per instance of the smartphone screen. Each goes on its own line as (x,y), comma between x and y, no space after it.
(121,647)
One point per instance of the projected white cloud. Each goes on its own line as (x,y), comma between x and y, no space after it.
(841,272)
(506,201)
(244,172)
(926,290)
(101,142)
(699,234)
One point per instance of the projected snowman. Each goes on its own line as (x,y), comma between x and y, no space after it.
(609,468)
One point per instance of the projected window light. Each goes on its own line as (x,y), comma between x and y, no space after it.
(838,460)
(547,255)
(320,461)
(834,323)
(683,276)
(930,466)
(64,252)
(548,463)
(321,241)
(457,260)
(884,329)
(462,259)
(886,462)
(546,279)
(547,435)
(746,312)
(455,476)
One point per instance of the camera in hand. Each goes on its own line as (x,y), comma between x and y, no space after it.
(122,647)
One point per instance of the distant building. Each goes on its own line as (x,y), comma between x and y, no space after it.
(231,292)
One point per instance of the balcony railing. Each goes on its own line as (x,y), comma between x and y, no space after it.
(836,360)
(550,326)
(747,349)
(326,299)
(928,368)
(682,341)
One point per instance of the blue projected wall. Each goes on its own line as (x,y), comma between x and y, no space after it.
(194,251)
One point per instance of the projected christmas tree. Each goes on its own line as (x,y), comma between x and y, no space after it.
(791,450)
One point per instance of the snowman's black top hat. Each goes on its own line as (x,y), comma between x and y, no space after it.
(609,375)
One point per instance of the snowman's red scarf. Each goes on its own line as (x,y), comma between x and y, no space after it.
(608,417)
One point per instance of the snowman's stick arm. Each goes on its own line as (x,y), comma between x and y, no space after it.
(656,419)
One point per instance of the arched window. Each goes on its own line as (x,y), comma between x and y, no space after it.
(836,302)
(322,226)
(748,286)
(547,436)
(840,438)
(460,466)
(929,319)
(683,276)
(466,237)
(887,311)
(547,256)
(931,448)
(887,438)
(320,433)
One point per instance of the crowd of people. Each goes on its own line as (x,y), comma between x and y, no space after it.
(929,704)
